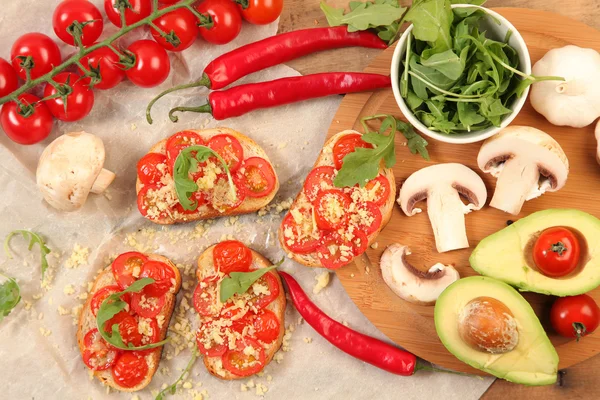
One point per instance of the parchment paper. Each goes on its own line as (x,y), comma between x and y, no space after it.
(38,349)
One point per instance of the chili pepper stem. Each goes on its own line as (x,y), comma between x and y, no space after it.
(204,108)
(204,81)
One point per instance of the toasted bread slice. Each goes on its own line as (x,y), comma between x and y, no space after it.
(205,269)
(87,321)
(326,159)
(249,205)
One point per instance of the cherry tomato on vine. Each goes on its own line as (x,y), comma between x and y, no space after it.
(43,51)
(82,11)
(139,10)
(183,23)
(260,12)
(575,316)
(556,251)
(9,82)
(28,125)
(106,63)
(222,21)
(152,64)
(79,102)
(169,1)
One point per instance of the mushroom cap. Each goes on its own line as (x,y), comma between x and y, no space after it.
(68,168)
(463,179)
(529,143)
(410,283)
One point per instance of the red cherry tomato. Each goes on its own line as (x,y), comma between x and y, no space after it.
(98,355)
(124,265)
(367,217)
(139,10)
(128,328)
(78,104)
(359,243)
(575,316)
(345,146)
(147,306)
(9,82)
(69,11)
(556,251)
(106,62)
(221,198)
(262,300)
(336,251)
(183,23)
(41,48)
(200,197)
(130,369)
(261,12)
(320,178)
(331,209)
(147,203)
(229,148)
(163,275)
(178,142)
(148,169)
(257,176)
(239,362)
(223,21)
(26,125)
(169,1)
(381,188)
(205,297)
(303,240)
(266,326)
(101,295)
(204,335)
(152,65)
(154,336)
(232,256)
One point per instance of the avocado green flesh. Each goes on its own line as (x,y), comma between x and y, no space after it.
(502,255)
(532,362)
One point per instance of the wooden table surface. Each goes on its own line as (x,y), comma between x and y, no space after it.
(579,381)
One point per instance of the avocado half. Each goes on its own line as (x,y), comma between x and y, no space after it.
(505,255)
(533,361)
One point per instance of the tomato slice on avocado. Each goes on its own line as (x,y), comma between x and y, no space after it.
(148,169)
(124,265)
(232,256)
(258,177)
(320,178)
(130,369)
(557,251)
(243,362)
(229,148)
(346,145)
(98,355)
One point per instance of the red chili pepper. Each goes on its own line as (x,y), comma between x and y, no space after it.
(242,99)
(363,347)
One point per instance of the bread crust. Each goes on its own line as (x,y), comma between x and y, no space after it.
(205,269)
(249,205)
(88,321)
(311,260)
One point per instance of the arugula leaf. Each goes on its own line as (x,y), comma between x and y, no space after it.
(33,239)
(10,296)
(431,22)
(240,282)
(363,16)
(474,2)
(448,63)
(415,143)
(172,389)
(111,306)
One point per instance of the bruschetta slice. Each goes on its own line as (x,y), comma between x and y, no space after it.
(329,226)
(253,185)
(237,338)
(143,321)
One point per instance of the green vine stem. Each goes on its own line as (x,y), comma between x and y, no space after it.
(76,58)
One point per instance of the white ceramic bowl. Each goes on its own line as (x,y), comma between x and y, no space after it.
(494,31)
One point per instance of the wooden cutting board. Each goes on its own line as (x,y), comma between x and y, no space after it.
(412,326)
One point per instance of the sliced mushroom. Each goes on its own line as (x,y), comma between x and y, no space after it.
(527,163)
(410,283)
(71,167)
(442,185)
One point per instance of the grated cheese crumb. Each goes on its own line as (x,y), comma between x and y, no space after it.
(78,257)
(322,282)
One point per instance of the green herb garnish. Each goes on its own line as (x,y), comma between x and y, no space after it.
(172,389)
(240,282)
(10,296)
(33,239)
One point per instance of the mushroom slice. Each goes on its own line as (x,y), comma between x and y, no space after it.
(443,185)
(71,167)
(527,163)
(410,283)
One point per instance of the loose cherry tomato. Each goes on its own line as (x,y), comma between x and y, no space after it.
(366,217)
(163,275)
(260,12)
(222,21)
(106,63)
(204,334)
(229,148)
(44,52)
(152,65)
(240,362)
(346,145)
(124,266)
(139,10)
(82,11)
(575,316)
(128,328)
(182,23)
(381,188)
(101,295)
(130,369)
(266,326)
(9,82)
(257,176)
(98,355)
(78,103)
(320,178)
(232,256)
(336,251)
(331,209)
(262,300)
(205,297)
(556,251)
(178,142)
(302,239)
(29,124)
(147,306)
(147,168)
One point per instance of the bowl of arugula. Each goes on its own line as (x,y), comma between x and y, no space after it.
(466,74)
